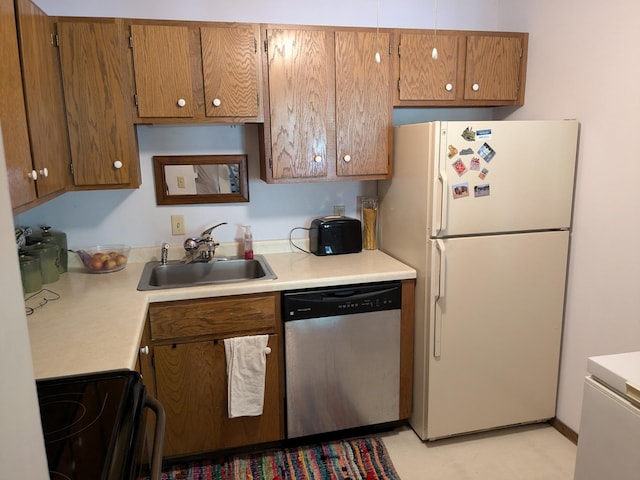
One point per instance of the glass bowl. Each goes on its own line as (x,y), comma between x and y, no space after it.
(104,258)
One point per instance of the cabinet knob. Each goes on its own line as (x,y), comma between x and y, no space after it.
(475,87)
(317,158)
(448,87)
(117,164)
(217,102)
(346,158)
(182,102)
(33,175)
(144,350)
(44,172)
(267,350)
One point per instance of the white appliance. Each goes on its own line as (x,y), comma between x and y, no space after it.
(482,211)
(609,440)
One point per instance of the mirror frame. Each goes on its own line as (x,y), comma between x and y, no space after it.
(162,194)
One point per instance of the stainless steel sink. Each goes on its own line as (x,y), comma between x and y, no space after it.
(176,274)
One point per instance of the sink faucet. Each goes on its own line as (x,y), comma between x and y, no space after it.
(202,248)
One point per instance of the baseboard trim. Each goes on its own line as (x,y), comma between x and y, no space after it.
(564,430)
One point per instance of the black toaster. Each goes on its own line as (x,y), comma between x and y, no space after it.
(334,235)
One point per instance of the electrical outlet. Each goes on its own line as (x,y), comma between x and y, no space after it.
(177,224)
(338,210)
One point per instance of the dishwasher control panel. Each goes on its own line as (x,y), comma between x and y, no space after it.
(343,300)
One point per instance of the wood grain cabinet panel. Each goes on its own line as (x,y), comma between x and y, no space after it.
(196,72)
(301,104)
(329,110)
(473,69)
(188,370)
(363,103)
(492,69)
(422,77)
(44,99)
(162,68)
(231,71)
(98,101)
(192,386)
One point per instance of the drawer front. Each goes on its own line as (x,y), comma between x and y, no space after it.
(216,317)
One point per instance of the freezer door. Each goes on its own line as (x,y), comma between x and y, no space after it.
(513,176)
(494,308)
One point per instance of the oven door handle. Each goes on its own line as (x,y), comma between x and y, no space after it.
(158,436)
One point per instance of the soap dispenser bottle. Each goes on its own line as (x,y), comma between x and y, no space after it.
(248,243)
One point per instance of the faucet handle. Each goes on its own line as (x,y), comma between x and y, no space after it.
(209,230)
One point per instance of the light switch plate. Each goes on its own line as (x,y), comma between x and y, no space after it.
(177,224)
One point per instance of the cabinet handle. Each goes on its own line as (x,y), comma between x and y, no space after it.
(267,350)
(182,102)
(475,87)
(117,164)
(44,172)
(144,350)
(217,102)
(317,158)
(448,87)
(33,175)
(346,158)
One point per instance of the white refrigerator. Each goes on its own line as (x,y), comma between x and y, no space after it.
(482,211)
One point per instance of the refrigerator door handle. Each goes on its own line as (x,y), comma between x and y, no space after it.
(438,285)
(440,204)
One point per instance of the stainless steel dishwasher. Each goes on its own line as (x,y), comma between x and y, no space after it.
(342,357)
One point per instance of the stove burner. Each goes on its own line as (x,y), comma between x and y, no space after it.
(67,415)
(58,476)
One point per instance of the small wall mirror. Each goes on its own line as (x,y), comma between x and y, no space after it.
(185,179)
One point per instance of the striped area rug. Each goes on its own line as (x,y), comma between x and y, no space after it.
(359,459)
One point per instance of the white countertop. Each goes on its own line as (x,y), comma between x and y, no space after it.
(97,323)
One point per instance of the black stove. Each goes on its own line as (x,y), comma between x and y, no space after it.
(93,425)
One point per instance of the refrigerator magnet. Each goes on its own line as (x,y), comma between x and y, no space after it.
(484,134)
(474,164)
(459,167)
(460,190)
(466,151)
(483,173)
(469,135)
(486,152)
(452,151)
(481,190)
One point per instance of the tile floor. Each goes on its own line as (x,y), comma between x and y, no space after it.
(533,452)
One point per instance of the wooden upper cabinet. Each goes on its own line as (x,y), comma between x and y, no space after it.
(363,103)
(422,77)
(300,123)
(98,100)
(13,118)
(196,71)
(473,69)
(330,105)
(493,66)
(231,71)
(162,68)
(44,99)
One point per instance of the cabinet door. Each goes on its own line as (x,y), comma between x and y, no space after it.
(230,68)
(492,69)
(363,103)
(422,77)
(162,68)
(191,382)
(44,99)
(98,101)
(301,103)
(12,112)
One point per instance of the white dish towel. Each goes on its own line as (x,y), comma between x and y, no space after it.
(246,370)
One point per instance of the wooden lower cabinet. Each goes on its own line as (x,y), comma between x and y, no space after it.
(191,380)
(187,371)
